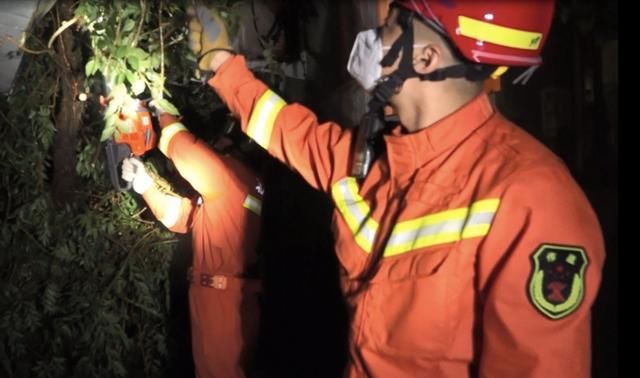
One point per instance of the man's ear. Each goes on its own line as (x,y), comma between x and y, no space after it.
(427,59)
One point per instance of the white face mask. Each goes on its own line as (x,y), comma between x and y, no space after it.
(366,55)
(364,61)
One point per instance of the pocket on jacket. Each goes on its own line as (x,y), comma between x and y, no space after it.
(409,317)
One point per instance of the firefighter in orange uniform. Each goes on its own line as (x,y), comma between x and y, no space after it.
(468,248)
(225,223)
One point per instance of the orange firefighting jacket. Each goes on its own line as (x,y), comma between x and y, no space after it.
(495,258)
(224,222)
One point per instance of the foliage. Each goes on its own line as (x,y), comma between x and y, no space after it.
(84,289)
(127,41)
(131,44)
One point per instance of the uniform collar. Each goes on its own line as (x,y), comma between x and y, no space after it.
(408,152)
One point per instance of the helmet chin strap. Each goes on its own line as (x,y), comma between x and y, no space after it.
(383,91)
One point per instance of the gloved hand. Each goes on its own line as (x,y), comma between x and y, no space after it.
(207,32)
(133,171)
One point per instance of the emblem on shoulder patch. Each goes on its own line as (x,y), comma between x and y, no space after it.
(557,282)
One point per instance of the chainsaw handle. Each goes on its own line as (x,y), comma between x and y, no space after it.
(115,154)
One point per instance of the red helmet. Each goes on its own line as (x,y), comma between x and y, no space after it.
(499,32)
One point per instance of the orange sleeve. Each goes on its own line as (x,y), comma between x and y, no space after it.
(539,271)
(210,174)
(173,211)
(291,133)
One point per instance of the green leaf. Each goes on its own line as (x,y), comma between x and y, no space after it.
(134,62)
(122,51)
(102,44)
(50,297)
(131,9)
(110,120)
(62,253)
(107,133)
(120,78)
(138,52)
(155,61)
(119,94)
(167,107)
(153,77)
(111,108)
(131,78)
(124,126)
(129,25)
(80,10)
(138,87)
(143,65)
(90,68)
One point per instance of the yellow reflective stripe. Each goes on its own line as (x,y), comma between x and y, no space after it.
(253,204)
(433,229)
(432,219)
(367,234)
(475,231)
(499,72)
(171,211)
(263,117)
(355,211)
(444,227)
(485,206)
(167,134)
(480,218)
(426,234)
(499,35)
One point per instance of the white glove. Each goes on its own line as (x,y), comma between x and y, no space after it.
(133,171)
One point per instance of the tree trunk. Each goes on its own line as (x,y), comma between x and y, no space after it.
(69,112)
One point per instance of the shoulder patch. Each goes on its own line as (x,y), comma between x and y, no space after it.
(557,282)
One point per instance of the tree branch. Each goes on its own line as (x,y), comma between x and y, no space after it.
(161,45)
(137,36)
(63,27)
(24,48)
